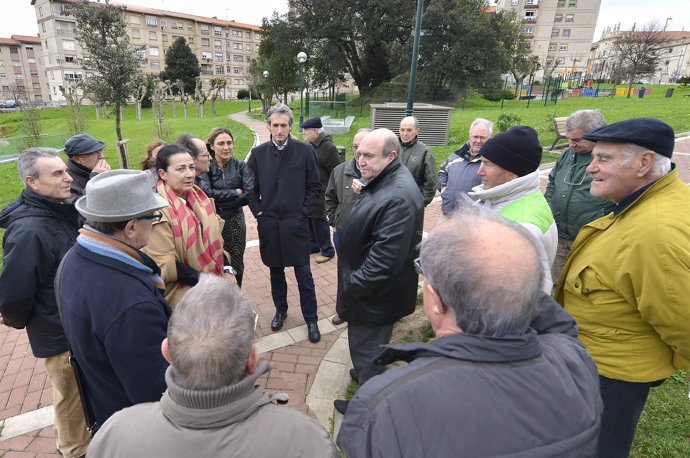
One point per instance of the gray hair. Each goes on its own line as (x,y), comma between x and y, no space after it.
(280,109)
(587,120)
(661,166)
(486,122)
(26,165)
(210,335)
(107,228)
(416,121)
(187,140)
(491,293)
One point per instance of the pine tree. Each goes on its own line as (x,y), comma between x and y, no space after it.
(181,64)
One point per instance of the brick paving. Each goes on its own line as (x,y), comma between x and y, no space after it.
(24,386)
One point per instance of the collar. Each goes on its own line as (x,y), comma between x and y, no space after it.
(467,347)
(407,145)
(283,146)
(394,165)
(627,201)
(78,167)
(511,190)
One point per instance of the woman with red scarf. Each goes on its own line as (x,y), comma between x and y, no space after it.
(187,240)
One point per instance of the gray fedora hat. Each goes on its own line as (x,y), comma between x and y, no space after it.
(119,195)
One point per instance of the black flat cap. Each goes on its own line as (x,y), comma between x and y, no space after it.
(314,123)
(82,144)
(650,133)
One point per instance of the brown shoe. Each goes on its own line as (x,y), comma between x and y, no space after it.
(321,259)
(336,320)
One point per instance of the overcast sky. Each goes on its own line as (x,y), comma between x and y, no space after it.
(21,18)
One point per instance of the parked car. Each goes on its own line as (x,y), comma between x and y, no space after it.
(9,104)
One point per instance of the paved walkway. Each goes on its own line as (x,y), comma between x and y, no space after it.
(312,374)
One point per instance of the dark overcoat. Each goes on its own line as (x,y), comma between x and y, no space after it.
(326,160)
(286,187)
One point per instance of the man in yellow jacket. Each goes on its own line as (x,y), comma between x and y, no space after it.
(625,281)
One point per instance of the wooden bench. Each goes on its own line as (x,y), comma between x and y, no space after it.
(559,127)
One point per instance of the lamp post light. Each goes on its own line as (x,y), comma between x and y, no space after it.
(667,21)
(301,58)
(267,102)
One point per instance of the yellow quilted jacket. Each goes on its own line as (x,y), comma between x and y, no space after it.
(627,284)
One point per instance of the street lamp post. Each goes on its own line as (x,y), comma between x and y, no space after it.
(267,102)
(601,74)
(250,99)
(415,56)
(301,58)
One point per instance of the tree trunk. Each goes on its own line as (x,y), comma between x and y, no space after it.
(98,112)
(124,160)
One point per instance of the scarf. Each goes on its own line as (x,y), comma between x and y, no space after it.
(110,247)
(196,229)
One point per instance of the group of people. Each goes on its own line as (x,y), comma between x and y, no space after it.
(554,313)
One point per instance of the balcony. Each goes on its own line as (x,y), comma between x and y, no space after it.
(531,3)
(530,19)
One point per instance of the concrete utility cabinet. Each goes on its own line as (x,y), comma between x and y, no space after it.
(434,120)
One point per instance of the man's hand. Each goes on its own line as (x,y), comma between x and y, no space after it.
(357,186)
(239,191)
(101,166)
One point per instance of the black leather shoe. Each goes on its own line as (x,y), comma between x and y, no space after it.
(277,322)
(341,405)
(353,375)
(314,333)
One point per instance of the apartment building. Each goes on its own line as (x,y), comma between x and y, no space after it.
(560,31)
(21,75)
(674,57)
(224,48)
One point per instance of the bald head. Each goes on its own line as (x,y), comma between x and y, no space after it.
(486,270)
(409,129)
(377,149)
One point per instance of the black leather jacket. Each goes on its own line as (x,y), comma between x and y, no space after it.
(220,184)
(377,281)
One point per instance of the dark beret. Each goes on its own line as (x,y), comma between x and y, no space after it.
(650,133)
(82,144)
(314,123)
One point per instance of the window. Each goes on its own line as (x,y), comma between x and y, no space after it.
(514,2)
(247,48)
(561,3)
(153,51)
(239,82)
(237,33)
(152,21)
(66,44)
(555,32)
(531,2)
(572,3)
(529,30)
(560,61)
(205,42)
(177,25)
(217,44)
(190,40)
(69,59)
(16,63)
(43,27)
(34,74)
(238,58)
(134,20)
(566,32)
(563,47)
(31,60)
(73,76)
(569,17)
(19,77)
(141,54)
(153,35)
(13,50)
(206,55)
(204,30)
(136,34)
(236,70)
(3,76)
(248,35)
(155,65)
(190,28)
(228,69)
(40,11)
(552,46)
(164,23)
(530,16)
(219,69)
(238,46)
(164,37)
(219,57)
(218,31)
(558,18)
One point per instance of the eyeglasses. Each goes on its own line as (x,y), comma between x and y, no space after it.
(204,155)
(418,266)
(571,180)
(155,216)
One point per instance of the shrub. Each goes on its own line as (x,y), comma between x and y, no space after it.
(499,95)
(506,120)
(242,94)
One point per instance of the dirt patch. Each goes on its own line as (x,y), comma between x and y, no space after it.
(414,327)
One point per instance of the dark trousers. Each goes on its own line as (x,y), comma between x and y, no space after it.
(307,293)
(623,404)
(320,240)
(365,342)
(336,240)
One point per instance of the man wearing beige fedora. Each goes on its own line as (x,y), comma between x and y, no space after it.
(111,296)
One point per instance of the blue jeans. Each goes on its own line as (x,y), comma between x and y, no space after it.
(623,404)
(321,237)
(307,293)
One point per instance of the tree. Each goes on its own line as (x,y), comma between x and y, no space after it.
(216,85)
(102,32)
(181,64)
(76,122)
(638,52)
(278,54)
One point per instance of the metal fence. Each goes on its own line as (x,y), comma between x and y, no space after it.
(13,145)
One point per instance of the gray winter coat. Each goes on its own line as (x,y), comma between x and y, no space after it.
(239,420)
(458,174)
(340,198)
(420,161)
(463,395)
(326,159)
